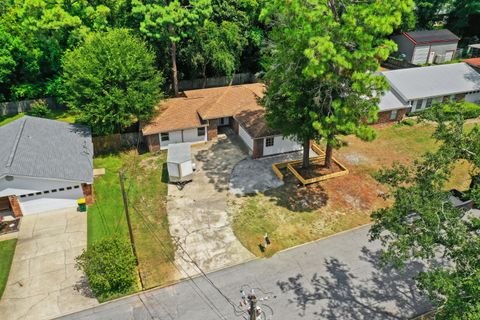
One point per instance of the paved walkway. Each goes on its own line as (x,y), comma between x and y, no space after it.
(43,283)
(336,278)
(250,176)
(198,214)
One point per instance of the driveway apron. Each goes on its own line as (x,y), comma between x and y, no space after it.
(43,282)
(198,216)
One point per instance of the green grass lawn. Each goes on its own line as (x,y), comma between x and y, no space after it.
(60,115)
(294,215)
(7,249)
(147,191)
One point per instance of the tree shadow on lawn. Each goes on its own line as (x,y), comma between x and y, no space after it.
(344,294)
(298,198)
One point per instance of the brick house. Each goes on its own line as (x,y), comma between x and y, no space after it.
(200,114)
(416,89)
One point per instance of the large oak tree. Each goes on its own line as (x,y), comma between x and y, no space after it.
(111,81)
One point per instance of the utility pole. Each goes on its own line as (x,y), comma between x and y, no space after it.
(253,305)
(121,174)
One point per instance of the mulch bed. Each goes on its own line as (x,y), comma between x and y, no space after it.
(317,170)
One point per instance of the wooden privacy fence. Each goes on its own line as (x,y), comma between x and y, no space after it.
(239,78)
(16,107)
(116,142)
(290,165)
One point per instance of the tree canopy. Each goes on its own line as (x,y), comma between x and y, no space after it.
(111,81)
(321,67)
(423,224)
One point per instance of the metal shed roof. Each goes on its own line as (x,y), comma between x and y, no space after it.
(179,153)
(431,36)
(434,81)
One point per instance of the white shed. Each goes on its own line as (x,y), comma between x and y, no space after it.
(179,162)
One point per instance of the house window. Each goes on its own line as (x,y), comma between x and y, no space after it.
(429,103)
(201,132)
(415,105)
(164,136)
(269,142)
(393,115)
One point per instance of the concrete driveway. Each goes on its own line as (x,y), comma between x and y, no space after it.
(198,215)
(43,282)
(250,176)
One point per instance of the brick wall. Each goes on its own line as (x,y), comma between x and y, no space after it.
(234,125)
(384,116)
(212,131)
(88,193)
(153,142)
(15,205)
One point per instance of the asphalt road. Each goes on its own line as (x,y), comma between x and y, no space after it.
(334,278)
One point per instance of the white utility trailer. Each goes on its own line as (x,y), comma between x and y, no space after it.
(179,163)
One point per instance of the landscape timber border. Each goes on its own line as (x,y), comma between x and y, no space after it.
(276,167)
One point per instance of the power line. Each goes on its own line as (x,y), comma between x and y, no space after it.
(205,298)
(209,280)
(150,228)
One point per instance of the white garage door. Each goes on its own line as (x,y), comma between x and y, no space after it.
(48,200)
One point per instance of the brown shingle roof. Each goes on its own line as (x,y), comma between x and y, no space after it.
(175,114)
(227,101)
(212,103)
(254,123)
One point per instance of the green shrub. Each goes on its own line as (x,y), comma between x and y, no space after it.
(467,109)
(39,109)
(470,110)
(109,265)
(408,122)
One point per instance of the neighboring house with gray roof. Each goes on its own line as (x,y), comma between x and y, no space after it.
(421,87)
(45,164)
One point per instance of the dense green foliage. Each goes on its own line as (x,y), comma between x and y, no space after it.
(35,34)
(423,224)
(111,81)
(320,67)
(460,16)
(109,265)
